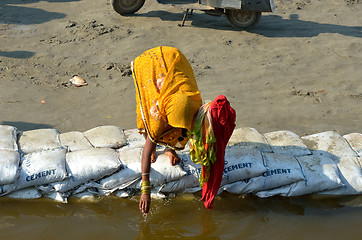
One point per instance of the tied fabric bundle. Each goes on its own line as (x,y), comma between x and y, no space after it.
(213,128)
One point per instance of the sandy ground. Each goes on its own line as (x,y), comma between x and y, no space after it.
(299,69)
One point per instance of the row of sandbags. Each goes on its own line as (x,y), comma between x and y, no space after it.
(106,160)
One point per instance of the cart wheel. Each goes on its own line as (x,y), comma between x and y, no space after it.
(242,19)
(125,7)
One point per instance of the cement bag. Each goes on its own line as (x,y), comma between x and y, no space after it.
(355,141)
(242,164)
(134,139)
(121,179)
(130,155)
(190,180)
(162,171)
(26,193)
(249,138)
(6,189)
(106,137)
(8,138)
(287,143)
(39,140)
(282,170)
(351,176)
(9,166)
(74,141)
(321,174)
(86,165)
(40,168)
(330,144)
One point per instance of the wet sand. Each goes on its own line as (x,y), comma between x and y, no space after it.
(299,69)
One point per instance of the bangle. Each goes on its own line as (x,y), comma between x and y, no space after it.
(144,174)
(146,187)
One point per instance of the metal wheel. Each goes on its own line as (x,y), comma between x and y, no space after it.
(125,7)
(242,19)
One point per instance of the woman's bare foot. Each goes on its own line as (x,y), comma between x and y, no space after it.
(172,155)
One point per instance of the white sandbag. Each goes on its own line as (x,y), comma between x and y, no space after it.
(106,137)
(74,141)
(122,194)
(40,168)
(134,139)
(56,196)
(130,155)
(288,143)
(190,180)
(321,174)
(127,175)
(162,171)
(355,141)
(6,189)
(351,176)
(86,165)
(282,170)
(249,138)
(39,140)
(330,144)
(26,193)
(85,196)
(8,138)
(242,164)
(9,166)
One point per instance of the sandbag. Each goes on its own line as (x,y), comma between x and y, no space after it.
(40,168)
(355,141)
(162,171)
(8,138)
(106,137)
(127,175)
(74,141)
(26,193)
(134,139)
(351,176)
(190,180)
(130,155)
(330,144)
(249,138)
(9,166)
(86,165)
(38,140)
(321,174)
(242,164)
(282,170)
(288,143)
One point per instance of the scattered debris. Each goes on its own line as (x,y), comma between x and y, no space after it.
(78,81)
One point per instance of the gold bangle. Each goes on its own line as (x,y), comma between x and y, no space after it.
(146,187)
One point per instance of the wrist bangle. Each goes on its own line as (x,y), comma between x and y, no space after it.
(145,187)
(145,174)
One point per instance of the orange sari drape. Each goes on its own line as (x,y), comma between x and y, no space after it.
(167,96)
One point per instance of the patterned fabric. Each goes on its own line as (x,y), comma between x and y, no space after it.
(203,142)
(167,96)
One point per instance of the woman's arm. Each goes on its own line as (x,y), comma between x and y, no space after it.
(147,155)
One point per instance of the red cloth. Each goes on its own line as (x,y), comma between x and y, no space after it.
(223,124)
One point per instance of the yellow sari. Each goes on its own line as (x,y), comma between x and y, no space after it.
(167,96)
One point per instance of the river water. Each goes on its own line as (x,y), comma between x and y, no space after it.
(183,217)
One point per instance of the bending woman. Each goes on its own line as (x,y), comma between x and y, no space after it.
(170,110)
(167,101)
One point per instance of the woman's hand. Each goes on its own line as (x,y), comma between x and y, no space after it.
(145,203)
(172,155)
(148,155)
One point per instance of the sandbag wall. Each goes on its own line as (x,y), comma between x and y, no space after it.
(107,160)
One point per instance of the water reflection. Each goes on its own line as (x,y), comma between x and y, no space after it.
(183,217)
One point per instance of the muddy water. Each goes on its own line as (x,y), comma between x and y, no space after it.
(183,217)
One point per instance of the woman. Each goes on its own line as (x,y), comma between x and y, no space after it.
(168,103)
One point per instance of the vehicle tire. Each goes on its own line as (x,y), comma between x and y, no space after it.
(125,7)
(242,19)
